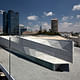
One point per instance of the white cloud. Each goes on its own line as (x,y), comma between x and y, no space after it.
(1,11)
(71,17)
(65,24)
(32,17)
(29,23)
(1,27)
(28,27)
(76,7)
(48,13)
(21,25)
(35,27)
(78,16)
(46,26)
(77,24)
(75,27)
(64,18)
(69,27)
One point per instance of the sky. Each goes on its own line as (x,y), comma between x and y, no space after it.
(36,13)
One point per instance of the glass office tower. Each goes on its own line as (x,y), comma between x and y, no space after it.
(5,23)
(11,23)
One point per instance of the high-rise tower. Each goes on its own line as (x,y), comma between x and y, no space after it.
(11,22)
(54,25)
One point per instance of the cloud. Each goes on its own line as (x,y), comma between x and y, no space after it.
(65,24)
(34,18)
(28,27)
(71,17)
(21,25)
(35,27)
(64,18)
(1,27)
(46,26)
(75,27)
(77,24)
(48,13)
(76,7)
(78,16)
(1,11)
(69,27)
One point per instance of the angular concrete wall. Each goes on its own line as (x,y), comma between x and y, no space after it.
(42,51)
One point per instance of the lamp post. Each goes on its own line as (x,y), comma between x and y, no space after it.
(9,57)
(1,12)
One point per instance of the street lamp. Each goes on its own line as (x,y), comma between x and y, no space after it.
(9,57)
(1,12)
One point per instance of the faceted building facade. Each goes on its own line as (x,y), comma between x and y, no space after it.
(5,23)
(11,23)
(54,25)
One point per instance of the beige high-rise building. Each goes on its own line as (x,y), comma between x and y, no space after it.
(54,25)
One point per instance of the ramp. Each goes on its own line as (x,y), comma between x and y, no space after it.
(49,53)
